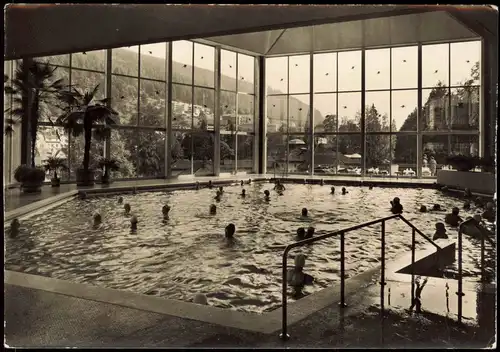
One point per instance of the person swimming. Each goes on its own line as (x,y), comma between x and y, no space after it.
(310,232)
(120,200)
(278,186)
(82,195)
(213,209)
(218,196)
(304,212)
(133,223)
(127,208)
(165,210)
(221,190)
(370,187)
(266,196)
(242,183)
(440,232)
(200,298)
(396,206)
(209,184)
(467,193)
(322,182)
(479,202)
(97,219)
(332,190)
(444,189)
(467,205)
(230,230)
(437,207)
(344,191)
(197,186)
(423,209)
(243,193)
(15,225)
(453,219)
(489,213)
(249,181)
(301,233)
(296,276)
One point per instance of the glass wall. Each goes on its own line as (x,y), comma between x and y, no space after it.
(389,128)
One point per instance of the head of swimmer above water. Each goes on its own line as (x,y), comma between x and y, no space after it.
(97,218)
(230,230)
(165,210)
(304,212)
(197,186)
(301,233)
(221,189)
(440,228)
(344,191)
(120,200)
(266,193)
(243,192)
(133,222)
(467,205)
(310,232)
(14,227)
(332,190)
(455,211)
(209,184)
(213,209)
(242,183)
(126,207)
(436,207)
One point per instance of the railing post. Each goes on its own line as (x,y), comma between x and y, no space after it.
(342,271)
(460,293)
(284,335)
(382,270)
(412,266)
(483,276)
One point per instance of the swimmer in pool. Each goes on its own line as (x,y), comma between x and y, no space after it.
(241,183)
(120,200)
(467,193)
(197,186)
(221,190)
(15,225)
(243,193)
(479,202)
(444,189)
(266,196)
(370,187)
(396,207)
(126,208)
(322,182)
(304,213)
(423,209)
(209,185)
(218,196)
(301,233)
(278,186)
(213,209)
(453,219)
(332,190)
(467,205)
(249,181)
(440,232)
(437,207)
(97,219)
(165,210)
(296,276)
(310,232)
(344,191)
(230,230)
(489,213)
(133,223)
(82,195)
(200,298)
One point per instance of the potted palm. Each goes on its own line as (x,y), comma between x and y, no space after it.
(53,164)
(32,87)
(83,114)
(106,165)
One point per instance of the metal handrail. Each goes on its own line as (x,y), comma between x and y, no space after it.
(342,232)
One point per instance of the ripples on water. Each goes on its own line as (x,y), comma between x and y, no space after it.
(188,254)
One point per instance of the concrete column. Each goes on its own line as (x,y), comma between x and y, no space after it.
(311,112)
(262,116)
(25,122)
(363,112)
(419,111)
(256,116)
(107,94)
(168,111)
(216,159)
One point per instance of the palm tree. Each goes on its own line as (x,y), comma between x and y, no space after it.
(32,86)
(84,116)
(53,163)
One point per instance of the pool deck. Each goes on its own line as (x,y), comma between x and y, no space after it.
(46,312)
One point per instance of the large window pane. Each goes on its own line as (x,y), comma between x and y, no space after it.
(378,154)
(204,65)
(377,69)
(245,153)
(404,67)
(435,65)
(123,150)
(181,153)
(203,153)
(436,110)
(325,112)
(182,108)
(228,111)
(298,113)
(435,150)
(59,60)
(52,142)
(349,72)
(465,145)
(152,107)
(404,110)
(86,81)
(124,98)
(228,70)
(465,63)
(227,154)
(299,156)
(153,61)
(90,60)
(246,72)
(49,111)
(203,109)
(277,75)
(125,61)
(349,112)
(325,154)
(245,113)
(404,156)
(349,154)
(465,108)
(276,153)
(299,74)
(325,72)
(377,111)
(76,148)
(148,150)
(277,114)
(182,65)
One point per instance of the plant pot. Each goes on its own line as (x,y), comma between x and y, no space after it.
(31,187)
(55,182)
(85,177)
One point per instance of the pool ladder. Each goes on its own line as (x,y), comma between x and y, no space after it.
(284,334)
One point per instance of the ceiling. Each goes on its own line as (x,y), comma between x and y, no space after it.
(51,29)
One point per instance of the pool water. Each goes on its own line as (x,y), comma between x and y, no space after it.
(188,253)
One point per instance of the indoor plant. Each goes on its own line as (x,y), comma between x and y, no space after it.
(84,116)
(463,162)
(107,165)
(54,163)
(31,178)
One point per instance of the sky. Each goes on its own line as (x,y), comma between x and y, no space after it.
(292,75)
